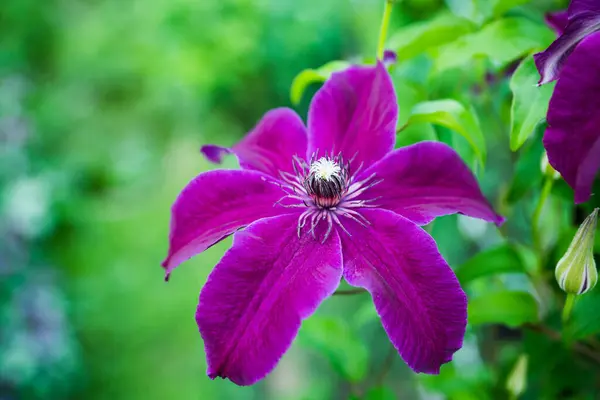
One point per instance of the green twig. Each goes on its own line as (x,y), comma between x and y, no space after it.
(348,292)
(566,313)
(537,240)
(385,23)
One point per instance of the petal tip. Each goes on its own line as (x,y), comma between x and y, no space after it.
(214,153)
(499,221)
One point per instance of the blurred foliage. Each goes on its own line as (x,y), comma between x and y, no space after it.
(103,107)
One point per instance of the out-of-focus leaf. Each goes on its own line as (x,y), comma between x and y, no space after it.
(456,386)
(517,380)
(585,318)
(506,307)
(528,174)
(499,7)
(529,103)
(501,41)
(414,39)
(335,340)
(466,9)
(452,115)
(309,76)
(365,314)
(380,393)
(408,96)
(504,258)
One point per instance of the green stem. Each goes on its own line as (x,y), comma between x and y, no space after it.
(566,313)
(385,23)
(538,212)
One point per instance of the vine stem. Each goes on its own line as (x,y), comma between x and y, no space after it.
(556,336)
(385,23)
(348,292)
(549,181)
(566,313)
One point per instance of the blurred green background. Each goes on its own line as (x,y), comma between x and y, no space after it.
(104,105)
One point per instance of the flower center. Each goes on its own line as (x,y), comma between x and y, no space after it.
(326,182)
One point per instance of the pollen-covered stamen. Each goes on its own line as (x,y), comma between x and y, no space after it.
(326,190)
(327,181)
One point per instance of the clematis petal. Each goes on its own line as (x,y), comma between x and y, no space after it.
(251,308)
(578,7)
(270,146)
(355,113)
(572,139)
(421,304)
(557,21)
(581,24)
(427,180)
(214,205)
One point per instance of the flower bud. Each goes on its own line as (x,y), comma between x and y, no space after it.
(547,169)
(576,271)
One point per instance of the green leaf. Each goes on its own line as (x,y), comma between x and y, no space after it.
(455,385)
(334,339)
(500,7)
(408,96)
(465,9)
(517,379)
(585,318)
(504,258)
(417,38)
(529,104)
(452,115)
(501,41)
(380,393)
(309,76)
(528,173)
(506,307)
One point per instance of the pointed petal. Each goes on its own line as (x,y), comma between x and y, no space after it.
(427,180)
(214,153)
(578,7)
(557,21)
(550,62)
(251,308)
(416,294)
(270,146)
(355,113)
(214,205)
(572,138)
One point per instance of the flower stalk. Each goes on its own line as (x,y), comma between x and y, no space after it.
(568,307)
(385,23)
(546,190)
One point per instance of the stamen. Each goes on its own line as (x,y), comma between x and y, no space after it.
(339,223)
(324,188)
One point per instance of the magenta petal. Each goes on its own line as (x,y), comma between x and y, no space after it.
(270,146)
(251,308)
(578,7)
(572,138)
(427,180)
(214,153)
(421,304)
(355,113)
(557,21)
(550,62)
(214,205)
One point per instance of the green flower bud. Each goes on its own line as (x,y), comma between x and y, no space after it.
(576,271)
(547,168)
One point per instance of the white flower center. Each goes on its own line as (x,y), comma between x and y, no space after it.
(325,168)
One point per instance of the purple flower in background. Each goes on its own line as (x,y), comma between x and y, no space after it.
(320,203)
(583,19)
(572,139)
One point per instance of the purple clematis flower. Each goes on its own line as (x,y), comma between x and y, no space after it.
(572,139)
(318,204)
(583,19)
